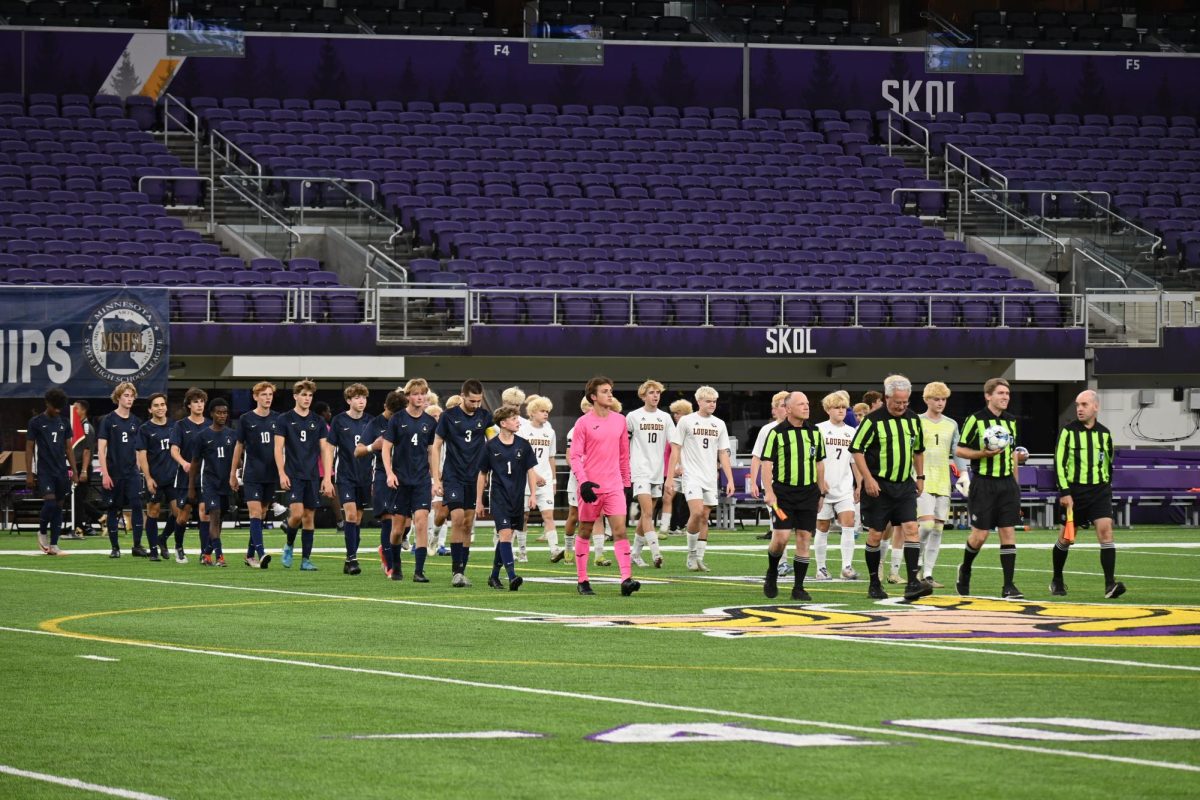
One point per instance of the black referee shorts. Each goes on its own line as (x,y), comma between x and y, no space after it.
(895,505)
(994,503)
(799,504)
(1091,503)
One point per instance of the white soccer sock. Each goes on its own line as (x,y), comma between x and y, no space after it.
(570,546)
(639,541)
(495,539)
(552,537)
(931,545)
(652,540)
(692,538)
(443,531)
(847,546)
(521,538)
(701,546)
(897,557)
(885,547)
(598,546)
(821,544)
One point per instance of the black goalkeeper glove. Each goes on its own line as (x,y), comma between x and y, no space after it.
(628,496)
(588,491)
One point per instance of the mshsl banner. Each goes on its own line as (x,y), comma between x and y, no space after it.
(84,341)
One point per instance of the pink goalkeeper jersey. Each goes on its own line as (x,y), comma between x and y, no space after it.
(600,451)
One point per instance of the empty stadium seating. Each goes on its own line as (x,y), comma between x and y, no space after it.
(783,23)
(1056,30)
(81,14)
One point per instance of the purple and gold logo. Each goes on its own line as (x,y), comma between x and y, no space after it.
(934,619)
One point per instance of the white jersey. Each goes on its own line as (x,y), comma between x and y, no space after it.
(761,441)
(700,440)
(838,473)
(544,443)
(572,484)
(524,427)
(649,433)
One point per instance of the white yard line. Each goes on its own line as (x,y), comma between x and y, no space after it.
(628,701)
(73,783)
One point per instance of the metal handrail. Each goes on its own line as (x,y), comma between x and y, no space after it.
(983,194)
(947,190)
(1114,266)
(262,208)
(374,210)
(212,223)
(946,25)
(194,131)
(213,153)
(967,176)
(892,113)
(1115,217)
(374,253)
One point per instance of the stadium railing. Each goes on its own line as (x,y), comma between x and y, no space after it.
(903,134)
(212,221)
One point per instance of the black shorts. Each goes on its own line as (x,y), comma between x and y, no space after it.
(458,494)
(408,499)
(256,492)
(1091,503)
(56,486)
(895,505)
(163,494)
(799,503)
(126,493)
(355,492)
(382,498)
(507,514)
(305,492)
(994,503)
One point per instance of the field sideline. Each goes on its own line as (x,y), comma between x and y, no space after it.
(135,679)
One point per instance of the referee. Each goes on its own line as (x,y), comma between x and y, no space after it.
(889,448)
(1083,466)
(995,497)
(793,474)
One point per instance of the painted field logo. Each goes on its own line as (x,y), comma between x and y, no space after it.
(935,619)
(123,341)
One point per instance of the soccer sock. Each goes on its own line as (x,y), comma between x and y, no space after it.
(456,557)
(582,548)
(885,547)
(349,537)
(931,545)
(466,556)
(692,538)
(290,532)
(214,538)
(847,545)
(701,546)
(521,538)
(112,529)
(821,545)
(872,556)
(441,537)
(505,549)
(202,529)
(624,559)
(912,557)
(570,543)
(152,531)
(1008,562)
(800,567)
(56,523)
(180,530)
(1059,558)
(395,555)
(898,556)
(388,556)
(598,545)
(969,554)
(652,540)
(552,538)
(773,560)
(256,537)
(639,543)
(385,534)
(306,543)
(419,555)
(1108,561)
(44,517)
(136,521)
(167,529)
(496,560)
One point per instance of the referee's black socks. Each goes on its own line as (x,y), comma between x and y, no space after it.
(1108,561)
(969,556)
(1008,562)
(912,555)
(1059,558)
(872,557)
(800,567)
(773,560)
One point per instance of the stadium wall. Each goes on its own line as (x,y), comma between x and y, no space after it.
(1164,422)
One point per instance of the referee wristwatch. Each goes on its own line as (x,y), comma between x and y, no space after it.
(920,477)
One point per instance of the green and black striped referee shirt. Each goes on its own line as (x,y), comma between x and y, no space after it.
(1001,464)
(794,452)
(889,444)
(1083,456)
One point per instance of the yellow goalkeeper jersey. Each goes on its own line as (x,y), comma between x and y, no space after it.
(941,440)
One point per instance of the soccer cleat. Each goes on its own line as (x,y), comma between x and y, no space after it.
(264,561)
(351,567)
(1114,590)
(397,573)
(54,551)
(341,525)
(278,509)
(585,588)
(443,551)
(220,561)
(154,554)
(287,556)
(1057,588)
(849,573)
(691,562)
(557,556)
(115,553)
(306,565)
(601,561)
(495,583)
(638,561)
(784,569)
(916,590)
(163,552)
(962,584)
(515,583)
(252,562)
(701,566)
(206,560)
(44,543)
(935,584)
(658,562)
(771,584)
(180,556)
(419,577)
(458,580)
(383,562)
(893,577)
(875,591)
(1011,592)
(139,552)
(799,593)
(629,586)
(522,557)
(822,575)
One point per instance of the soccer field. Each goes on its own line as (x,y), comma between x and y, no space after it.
(164,680)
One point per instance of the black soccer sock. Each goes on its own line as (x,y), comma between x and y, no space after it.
(506,555)
(912,555)
(456,558)
(168,528)
(152,532)
(44,517)
(1008,562)
(180,530)
(1108,561)
(969,556)
(800,568)
(306,543)
(1059,558)
(290,533)
(396,558)
(872,557)
(419,556)
(497,561)
(773,561)
(466,556)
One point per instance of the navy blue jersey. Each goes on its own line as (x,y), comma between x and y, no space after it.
(122,437)
(509,465)
(377,428)
(464,436)
(411,438)
(183,436)
(50,437)
(345,434)
(302,437)
(257,435)
(215,450)
(155,439)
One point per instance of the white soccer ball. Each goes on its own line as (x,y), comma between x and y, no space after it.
(996,437)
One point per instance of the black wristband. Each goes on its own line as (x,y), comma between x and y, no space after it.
(920,477)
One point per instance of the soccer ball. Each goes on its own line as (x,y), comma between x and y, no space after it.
(996,437)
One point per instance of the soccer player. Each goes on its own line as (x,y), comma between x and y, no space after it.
(600,462)
(793,475)
(778,412)
(995,497)
(347,431)
(514,397)
(844,482)
(158,472)
(461,434)
(49,464)
(888,448)
(572,523)
(300,440)
(382,496)
(677,521)
(209,478)
(439,517)
(650,430)
(544,442)
(941,447)
(256,442)
(1083,461)
(183,451)
(511,462)
(117,438)
(407,456)
(699,445)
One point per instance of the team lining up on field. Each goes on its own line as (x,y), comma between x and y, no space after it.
(894,471)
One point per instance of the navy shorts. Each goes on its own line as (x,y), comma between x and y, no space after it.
(382,497)
(357,493)
(258,492)
(458,494)
(57,485)
(126,493)
(163,494)
(214,500)
(305,492)
(507,515)
(409,498)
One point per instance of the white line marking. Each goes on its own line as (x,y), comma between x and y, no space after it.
(628,701)
(98,658)
(1125,552)
(977,565)
(462,735)
(78,784)
(989,651)
(265,590)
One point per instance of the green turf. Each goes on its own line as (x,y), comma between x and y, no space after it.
(188,724)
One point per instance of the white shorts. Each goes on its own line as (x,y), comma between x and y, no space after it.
(833,506)
(572,491)
(933,505)
(545,497)
(696,490)
(644,486)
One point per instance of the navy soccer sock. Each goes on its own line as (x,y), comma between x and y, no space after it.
(506,555)
(167,529)
(205,539)
(395,555)
(456,558)
(152,532)
(419,555)
(256,536)
(497,560)
(350,534)
(290,532)
(136,519)
(385,534)
(56,515)
(306,543)
(180,530)
(466,556)
(112,528)
(44,517)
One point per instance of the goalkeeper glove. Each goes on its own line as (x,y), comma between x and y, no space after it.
(963,484)
(588,491)
(628,496)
